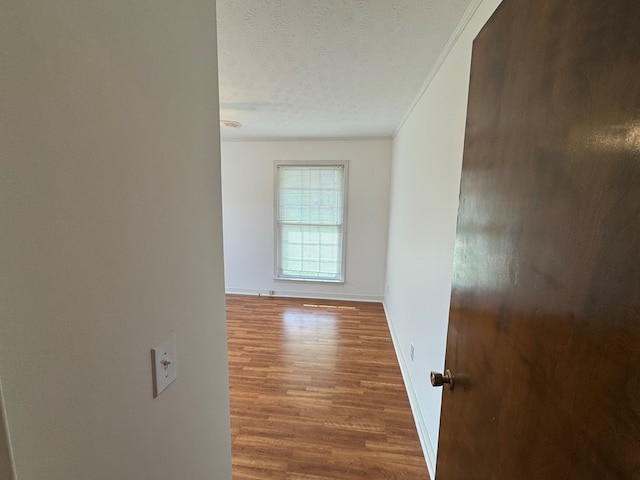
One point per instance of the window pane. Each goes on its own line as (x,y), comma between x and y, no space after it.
(318,256)
(310,194)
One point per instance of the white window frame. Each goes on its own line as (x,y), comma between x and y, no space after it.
(276,257)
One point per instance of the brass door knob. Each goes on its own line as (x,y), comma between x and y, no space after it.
(438,379)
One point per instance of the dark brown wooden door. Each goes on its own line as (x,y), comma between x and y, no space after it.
(544,332)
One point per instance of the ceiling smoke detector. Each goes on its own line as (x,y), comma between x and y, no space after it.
(230,124)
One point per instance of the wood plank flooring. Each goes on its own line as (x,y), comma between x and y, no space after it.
(316,393)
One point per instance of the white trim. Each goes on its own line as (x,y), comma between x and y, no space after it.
(298,294)
(428,448)
(308,139)
(453,39)
(312,280)
(4,430)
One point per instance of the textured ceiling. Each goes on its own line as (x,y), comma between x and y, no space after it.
(326,68)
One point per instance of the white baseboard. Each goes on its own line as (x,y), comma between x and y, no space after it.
(297,294)
(428,449)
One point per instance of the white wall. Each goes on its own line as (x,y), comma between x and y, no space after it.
(426,166)
(248,203)
(111,239)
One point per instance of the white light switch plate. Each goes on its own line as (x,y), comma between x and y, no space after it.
(163,358)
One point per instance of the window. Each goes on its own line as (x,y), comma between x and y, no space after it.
(310,214)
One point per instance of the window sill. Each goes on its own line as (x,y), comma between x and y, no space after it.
(312,280)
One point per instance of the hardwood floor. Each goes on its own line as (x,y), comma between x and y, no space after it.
(316,392)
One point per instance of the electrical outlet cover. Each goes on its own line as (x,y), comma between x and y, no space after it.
(163,359)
